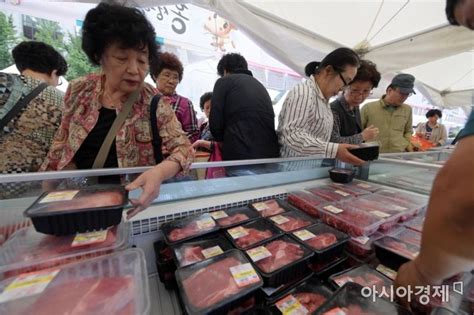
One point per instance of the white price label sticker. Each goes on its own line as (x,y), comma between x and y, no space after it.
(380,214)
(219,215)
(258,253)
(399,208)
(205,224)
(244,274)
(238,232)
(392,274)
(364,185)
(291,306)
(361,239)
(89,238)
(28,284)
(212,251)
(304,235)
(333,209)
(279,219)
(65,195)
(415,254)
(342,193)
(260,206)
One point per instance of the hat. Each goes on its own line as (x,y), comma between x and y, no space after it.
(405,83)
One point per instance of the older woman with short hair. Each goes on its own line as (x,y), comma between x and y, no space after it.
(122,42)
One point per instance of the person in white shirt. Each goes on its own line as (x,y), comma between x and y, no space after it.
(306,120)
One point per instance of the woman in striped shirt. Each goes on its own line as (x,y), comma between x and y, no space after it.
(306,120)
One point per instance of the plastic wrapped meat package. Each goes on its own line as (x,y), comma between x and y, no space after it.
(363,246)
(415,224)
(252,233)
(81,288)
(329,193)
(306,202)
(370,187)
(271,207)
(350,220)
(416,202)
(348,300)
(192,252)
(28,250)
(363,275)
(353,190)
(291,221)
(234,216)
(219,284)
(398,247)
(188,228)
(409,236)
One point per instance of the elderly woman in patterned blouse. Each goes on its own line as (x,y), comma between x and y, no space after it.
(122,42)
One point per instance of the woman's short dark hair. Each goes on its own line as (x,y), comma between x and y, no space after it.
(110,23)
(169,61)
(367,72)
(204,98)
(338,59)
(230,63)
(433,112)
(450,6)
(39,57)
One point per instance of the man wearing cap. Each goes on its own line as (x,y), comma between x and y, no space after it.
(392,116)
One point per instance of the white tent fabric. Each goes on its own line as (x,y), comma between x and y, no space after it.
(410,36)
(13,69)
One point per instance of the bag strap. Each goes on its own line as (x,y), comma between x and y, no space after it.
(156,139)
(16,109)
(118,122)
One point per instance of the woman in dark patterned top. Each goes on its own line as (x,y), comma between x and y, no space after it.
(25,140)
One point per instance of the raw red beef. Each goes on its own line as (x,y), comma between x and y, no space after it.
(97,200)
(329,194)
(294,223)
(210,285)
(236,218)
(406,250)
(322,241)
(352,221)
(97,296)
(187,231)
(272,208)
(166,254)
(311,301)
(306,202)
(191,255)
(349,310)
(283,253)
(253,237)
(410,236)
(352,190)
(243,307)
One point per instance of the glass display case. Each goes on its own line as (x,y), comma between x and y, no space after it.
(438,156)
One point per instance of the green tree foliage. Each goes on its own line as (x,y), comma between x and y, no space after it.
(50,32)
(78,63)
(7,40)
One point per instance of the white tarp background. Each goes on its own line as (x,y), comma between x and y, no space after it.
(410,36)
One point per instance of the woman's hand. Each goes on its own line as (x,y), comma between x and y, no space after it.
(370,133)
(344,155)
(202,144)
(150,182)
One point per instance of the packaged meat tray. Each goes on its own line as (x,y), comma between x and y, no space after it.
(407,209)
(219,284)
(271,207)
(350,220)
(305,298)
(363,246)
(349,300)
(370,187)
(111,284)
(269,295)
(325,241)
(234,216)
(405,199)
(415,224)
(252,234)
(363,275)
(393,253)
(28,250)
(409,236)
(329,193)
(353,190)
(191,252)
(324,269)
(280,260)
(165,264)
(291,221)
(341,175)
(188,228)
(65,212)
(306,202)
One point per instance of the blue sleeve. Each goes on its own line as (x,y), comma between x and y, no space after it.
(469,128)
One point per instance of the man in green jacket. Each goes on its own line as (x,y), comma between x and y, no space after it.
(391,116)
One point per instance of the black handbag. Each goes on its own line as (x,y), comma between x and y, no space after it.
(156,139)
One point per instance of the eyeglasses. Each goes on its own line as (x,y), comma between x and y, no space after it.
(170,77)
(361,92)
(346,84)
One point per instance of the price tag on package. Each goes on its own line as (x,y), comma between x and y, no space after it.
(205,224)
(333,209)
(304,235)
(258,253)
(279,219)
(260,206)
(238,232)
(366,186)
(212,251)
(342,193)
(399,208)
(361,239)
(219,215)
(28,284)
(244,274)
(291,306)
(89,238)
(65,195)
(392,274)
(380,214)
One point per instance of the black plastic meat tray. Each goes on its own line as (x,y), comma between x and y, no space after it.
(391,257)
(66,212)
(367,151)
(324,270)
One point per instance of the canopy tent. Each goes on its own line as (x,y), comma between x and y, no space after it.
(410,36)
(13,69)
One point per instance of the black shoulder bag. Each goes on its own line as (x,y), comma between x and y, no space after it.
(156,139)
